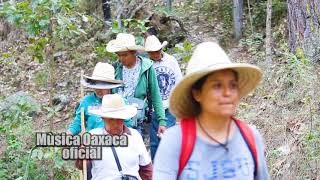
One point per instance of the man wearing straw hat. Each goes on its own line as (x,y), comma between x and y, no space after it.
(168,74)
(123,162)
(138,76)
(101,81)
(209,142)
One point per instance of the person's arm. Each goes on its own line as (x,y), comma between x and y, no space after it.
(145,165)
(75,126)
(177,70)
(166,161)
(263,173)
(156,97)
(145,172)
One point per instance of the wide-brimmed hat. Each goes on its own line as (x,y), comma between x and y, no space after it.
(123,42)
(114,106)
(102,77)
(209,57)
(153,44)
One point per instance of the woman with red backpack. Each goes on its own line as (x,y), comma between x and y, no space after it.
(210,143)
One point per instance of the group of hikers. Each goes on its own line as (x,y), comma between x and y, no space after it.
(207,143)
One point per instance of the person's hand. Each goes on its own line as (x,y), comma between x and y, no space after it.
(161,130)
(79,163)
(69,132)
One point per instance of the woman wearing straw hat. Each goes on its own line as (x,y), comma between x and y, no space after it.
(205,101)
(132,160)
(101,81)
(168,74)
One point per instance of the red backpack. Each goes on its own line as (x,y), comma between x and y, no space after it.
(188,129)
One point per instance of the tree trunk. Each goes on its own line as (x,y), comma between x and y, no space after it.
(237,14)
(304,27)
(106,7)
(269,33)
(169,4)
(250,16)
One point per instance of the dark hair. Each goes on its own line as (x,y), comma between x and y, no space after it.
(152,31)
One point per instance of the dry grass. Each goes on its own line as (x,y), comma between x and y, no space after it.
(285,109)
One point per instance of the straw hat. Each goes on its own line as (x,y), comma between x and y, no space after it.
(102,77)
(113,106)
(153,44)
(207,58)
(123,42)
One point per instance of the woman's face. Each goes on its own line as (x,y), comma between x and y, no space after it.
(101,92)
(219,94)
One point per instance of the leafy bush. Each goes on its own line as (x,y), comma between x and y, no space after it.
(19,159)
(279,10)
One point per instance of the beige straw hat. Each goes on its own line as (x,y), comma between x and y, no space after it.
(104,74)
(207,58)
(153,44)
(123,42)
(113,106)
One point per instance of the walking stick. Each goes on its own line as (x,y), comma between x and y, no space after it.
(83,175)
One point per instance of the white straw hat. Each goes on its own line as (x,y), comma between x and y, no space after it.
(113,106)
(207,58)
(123,42)
(153,44)
(103,72)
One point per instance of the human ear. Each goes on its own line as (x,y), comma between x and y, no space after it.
(196,94)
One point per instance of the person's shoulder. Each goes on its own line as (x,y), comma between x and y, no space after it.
(134,132)
(254,130)
(146,63)
(169,57)
(89,96)
(257,135)
(173,133)
(96,131)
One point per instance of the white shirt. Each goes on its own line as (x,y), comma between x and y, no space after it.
(130,158)
(168,75)
(130,79)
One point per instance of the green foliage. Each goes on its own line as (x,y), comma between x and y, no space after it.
(254,44)
(46,22)
(41,78)
(279,10)
(18,160)
(164,11)
(227,16)
(183,51)
(133,26)
(100,50)
(312,141)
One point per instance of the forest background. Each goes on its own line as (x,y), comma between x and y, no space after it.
(46,43)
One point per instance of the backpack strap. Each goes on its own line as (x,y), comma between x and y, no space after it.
(188,132)
(248,137)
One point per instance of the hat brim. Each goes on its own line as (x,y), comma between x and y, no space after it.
(100,85)
(152,49)
(128,111)
(114,47)
(103,79)
(182,104)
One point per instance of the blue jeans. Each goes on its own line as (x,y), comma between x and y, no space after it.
(154,139)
